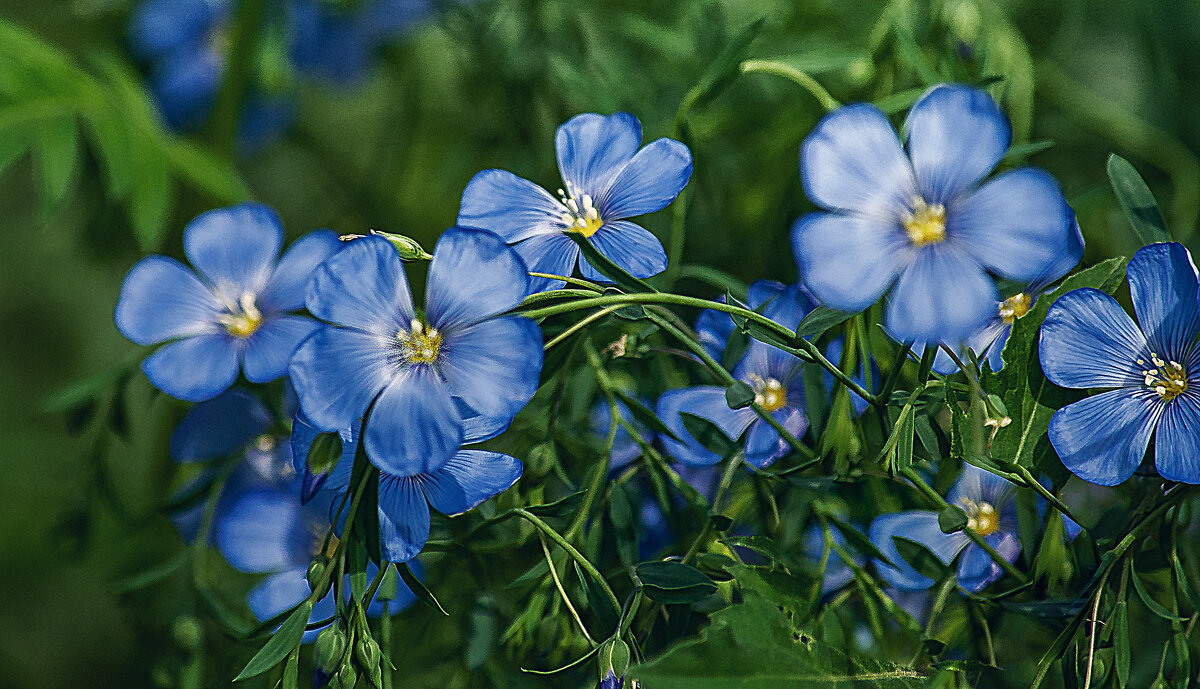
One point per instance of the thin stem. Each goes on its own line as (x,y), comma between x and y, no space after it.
(726,481)
(562,592)
(1087,682)
(583,323)
(575,554)
(797,77)
(243,43)
(578,282)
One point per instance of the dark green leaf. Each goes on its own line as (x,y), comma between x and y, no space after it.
(1019,152)
(607,268)
(418,588)
(1148,600)
(674,582)
(952,519)
(921,558)
(1137,201)
(598,602)
(559,508)
(739,395)
(1046,608)
(709,435)
(1120,633)
(481,640)
(820,319)
(283,642)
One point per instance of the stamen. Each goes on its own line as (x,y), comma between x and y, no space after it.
(579,211)
(926,223)
(768,393)
(421,344)
(1015,307)
(243,319)
(982,517)
(1167,379)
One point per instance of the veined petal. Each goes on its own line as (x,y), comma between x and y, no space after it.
(956,136)
(978,485)
(593,148)
(977,569)
(944,295)
(218,427)
(1088,341)
(363,286)
(1162,282)
(414,427)
(1018,224)
(1103,438)
(494,366)
(764,444)
(337,372)
(234,248)
(403,518)
(260,533)
(162,300)
(649,182)
(511,206)
(707,401)
(632,247)
(852,162)
(472,276)
(270,348)
(285,289)
(848,262)
(919,526)
(1177,443)
(194,369)
(469,478)
(553,254)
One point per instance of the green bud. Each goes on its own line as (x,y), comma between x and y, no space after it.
(541,458)
(368,654)
(614,658)
(316,572)
(346,676)
(1160,683)
(407,247)
(330,648)
(188,632)
(324,453)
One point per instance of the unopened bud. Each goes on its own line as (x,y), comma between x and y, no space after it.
(407,247)
(316,576)
(346,676)
(614,661)
(368,654)
(330,649)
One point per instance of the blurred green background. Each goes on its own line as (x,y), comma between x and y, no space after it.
(481,86)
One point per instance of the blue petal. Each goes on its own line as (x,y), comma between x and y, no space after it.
(362,286)
(1162,282)
(263,532)
(195,369)
(648,182)
(270,348)
(833,352)
(592,148)
(789,307)
(707,401)
(337,372)
(477,427)
(978,485)
(956,136)
(624,449)
(494,366)
(837,572)
(510,206)
(1018,224)
(848,262)
(234,248)
(403,518)
(1103,438)
(852,161)
(263,119)
(762,291)
(764,445)
(473,276)
(1088,341)
(1066,261)
(713,330)
(278,593)
(943,295)
(414,427)
(1177,443)
(977,569)
(919,526)
(218,427)
(185,82)
(162,300)
(768,361)
(469,478)
(157,26)
(632,247)
(553,254)
(285,289)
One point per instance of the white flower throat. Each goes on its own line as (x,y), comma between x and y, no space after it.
(579,212)
(420,344)
(243,317)
(1167,378)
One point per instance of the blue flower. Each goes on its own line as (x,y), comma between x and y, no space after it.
(837,572)
(773,299)
(921,226)
(236,310)
(606,179)
(421,377)
(1153,372)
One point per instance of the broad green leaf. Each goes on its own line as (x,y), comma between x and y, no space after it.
(674,582)
(283,642)
(739,395)
(1137,201)
(709,435)
(820,319)
(952,519)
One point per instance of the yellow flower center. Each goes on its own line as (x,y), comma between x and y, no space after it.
(926,223)
(1167,378)
(243,320)
(982,518)
(420,345)
(768,393)
(1014,307)
(579,214)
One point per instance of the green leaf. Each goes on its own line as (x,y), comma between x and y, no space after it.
(1019,152)
(1137,201)
(857,540)
(1148,600)
(418,588)
(56,150)
(820,319)
(921,558)
(607,268)
(291,671)
(282,642)
(739,395)
(150,199)
(709,435)
(952,519)
(674,582)
(1120,632)
(600,605)
(562,507)
(481,640)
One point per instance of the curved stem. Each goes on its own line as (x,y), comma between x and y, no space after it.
(575,554)
(583,323)
(802,79)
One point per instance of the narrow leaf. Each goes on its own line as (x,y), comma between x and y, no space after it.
(1137,201)
(284,641)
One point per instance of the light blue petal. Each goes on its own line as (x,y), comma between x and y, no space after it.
(1018,224)
(713,330)
(787,308)
(837,572)
(1088,341)
(978,485)
(624,449)
(512,207)
(977,569)
(553,254)
(919,526)
(649,182)
(270,348)
(707,401)
(1162,282)
(286,288)
(1066,261)
(768,361)
(218,427)
(833,352)
(1103,438)
(632,247)
(469,478)
(234,248)
(195,369)
(852,162)
(764,445)
(162,300)
(943,295)
(472,276)
(362,286)
(956,136)
(403,518)
(263,532)
(848,262)
(593,148)
(477,427)
(158,26)
(494,366)
(414,427)
(278,593)
(337,372)
(1177,443)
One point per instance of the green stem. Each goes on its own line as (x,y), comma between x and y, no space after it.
(801,79)
(583,323)
(575,554)
(243,41)
(569,280)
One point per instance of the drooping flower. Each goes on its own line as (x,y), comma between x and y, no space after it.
(237,309)
(421,377)
(1152,372)
(919,225)
(606,179)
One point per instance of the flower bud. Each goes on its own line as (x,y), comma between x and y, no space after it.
(368,655)
(316,572)
(330,649)
(614,661)
(346,676)
(407,247)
